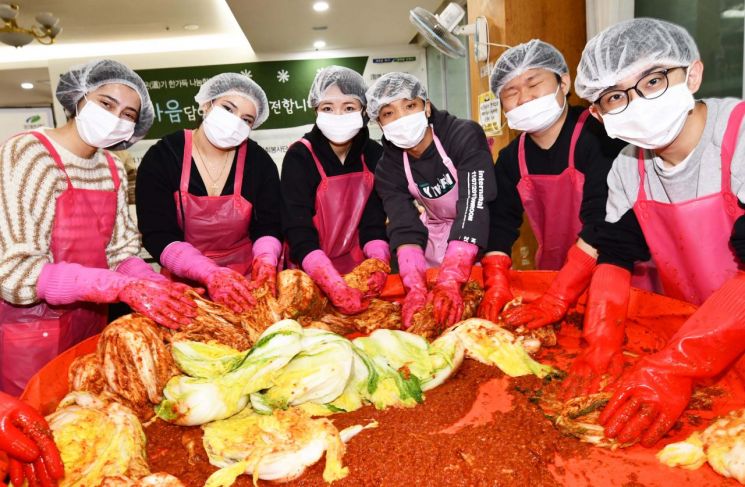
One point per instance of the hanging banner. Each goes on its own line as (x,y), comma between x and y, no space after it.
(286,84)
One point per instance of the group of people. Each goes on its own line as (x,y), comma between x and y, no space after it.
(644,186)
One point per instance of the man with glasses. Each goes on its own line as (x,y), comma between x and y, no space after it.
(555,172)
(676,193)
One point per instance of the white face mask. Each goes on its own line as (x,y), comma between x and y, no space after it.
(100,128)
(652,124)
(225,130)
(408,131)
(536,115)
(339,128)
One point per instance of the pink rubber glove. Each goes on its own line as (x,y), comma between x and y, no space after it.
(346,299)
(552,306)
(454,272)
(26,438)
(377,249)
(136,267)
(603,330)
(224,285)
(412,266)
(652,396)
(266,252)
(65,283)
(496,269)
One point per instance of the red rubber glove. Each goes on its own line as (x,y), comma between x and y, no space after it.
(603,330)
(26,438)
(552,306)
(497,281)
(649,400)
(346,299)
(454,272)
(230,288)
(412,266)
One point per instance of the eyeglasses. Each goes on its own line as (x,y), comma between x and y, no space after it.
(650,86)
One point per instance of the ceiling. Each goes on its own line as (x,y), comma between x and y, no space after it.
(95,28)
(273,26)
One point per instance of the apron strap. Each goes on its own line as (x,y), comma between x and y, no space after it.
(575,135)
(239,167)
(521,162)
(112,168)
(444,156)
(729,142)
(641,195)
(309,146)
(52,152)
(186,162)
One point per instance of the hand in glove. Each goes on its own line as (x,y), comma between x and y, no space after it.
(346,299)
(603,330)
(454,272)
(412,267)
(26,438)
(224,285)
(649,400)
(552,306)
(496,269)
(163,302)
(266,251)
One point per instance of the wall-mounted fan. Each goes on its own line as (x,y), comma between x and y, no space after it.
(441,31)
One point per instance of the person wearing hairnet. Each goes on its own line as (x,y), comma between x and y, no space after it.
(331,216)
(208,199)
(676,192)
(64,223)
(555,172)
(444,164)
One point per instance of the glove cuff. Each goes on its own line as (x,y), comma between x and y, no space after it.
(266,250)
(377,249)
(412,267)
(574,276)
(185,260)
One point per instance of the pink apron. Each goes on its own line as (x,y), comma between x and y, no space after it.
(689,240)
(216,225)
(552,204)
(439,213)
(31,336)
(340,202)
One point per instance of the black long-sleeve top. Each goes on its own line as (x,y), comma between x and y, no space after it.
(300,180)
(594,155)
(465,143)
(159,177)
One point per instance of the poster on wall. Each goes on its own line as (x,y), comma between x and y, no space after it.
(286,84)
(15,120)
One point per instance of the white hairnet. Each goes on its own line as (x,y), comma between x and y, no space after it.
(391,87)
(534,54)
(350,83)
(235,84)
(626,48)
(83,79)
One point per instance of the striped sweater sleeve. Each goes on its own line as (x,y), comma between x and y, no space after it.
(125,241)
(30,181)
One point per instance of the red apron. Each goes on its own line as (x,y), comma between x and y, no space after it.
(31,336)
(689,240)
(439,213)
(340,201)
(552,204)
(216,225)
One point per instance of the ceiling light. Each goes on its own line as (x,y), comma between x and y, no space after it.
(191,27)
(27,86)
(45,31)
(319,44)
(321,6)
